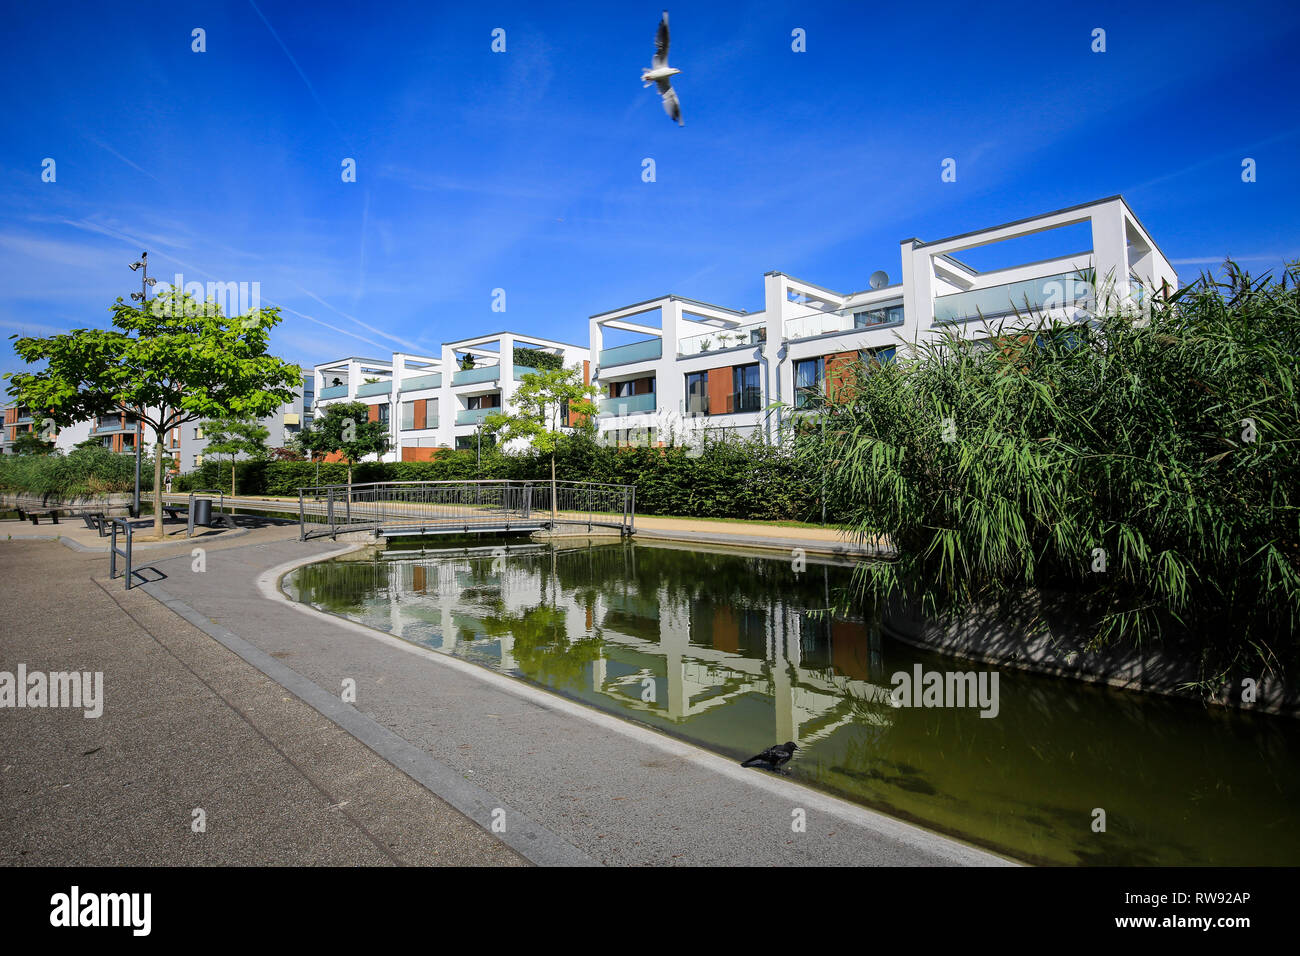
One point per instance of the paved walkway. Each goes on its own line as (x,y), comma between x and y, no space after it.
(187,725)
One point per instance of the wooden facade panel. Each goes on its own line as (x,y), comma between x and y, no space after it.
(721,383)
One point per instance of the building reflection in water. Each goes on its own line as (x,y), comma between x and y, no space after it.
(654,643)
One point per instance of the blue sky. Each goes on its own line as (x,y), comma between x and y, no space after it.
(522,170)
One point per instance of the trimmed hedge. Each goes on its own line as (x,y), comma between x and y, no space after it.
(726,479)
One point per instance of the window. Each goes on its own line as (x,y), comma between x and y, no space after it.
(198,434)
(809,377)
(697,393)
(881,356)
(383,414)
(474,442)
(408,416)
(884,316)
(620,389)
(484,401)
(626,437)
(747,393)
(198,460)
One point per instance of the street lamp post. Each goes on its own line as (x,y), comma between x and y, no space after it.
(143,298)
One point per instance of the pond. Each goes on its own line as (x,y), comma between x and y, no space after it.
(733,651)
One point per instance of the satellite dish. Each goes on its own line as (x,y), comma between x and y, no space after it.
(879,279)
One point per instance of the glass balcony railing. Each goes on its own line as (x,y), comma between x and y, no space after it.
(722,339)
(628,404)
(857,319)
(432,380)
(334,391)
(471,376)
(633,352)
(474,416)
(374,388)
(1029,295)
(522,370)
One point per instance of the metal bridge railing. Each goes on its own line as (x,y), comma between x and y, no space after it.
(446,507)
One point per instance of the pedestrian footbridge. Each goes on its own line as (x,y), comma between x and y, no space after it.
(409,508)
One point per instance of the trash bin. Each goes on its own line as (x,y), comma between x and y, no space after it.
(203,512)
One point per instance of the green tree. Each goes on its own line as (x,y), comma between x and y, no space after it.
(175,360)
(546,402)
(235,438)
(345,428)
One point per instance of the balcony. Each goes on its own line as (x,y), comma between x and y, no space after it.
(856,319)
(522,370)
(109,428)
(634,352)
(1027,296)
(334,391)
(433,380)
(628,404)
(374,388)
(472,376)
(474,416)
(722,339)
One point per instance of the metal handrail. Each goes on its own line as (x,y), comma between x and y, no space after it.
(432,507)
(114,551)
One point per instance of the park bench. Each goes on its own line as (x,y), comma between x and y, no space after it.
(36,516)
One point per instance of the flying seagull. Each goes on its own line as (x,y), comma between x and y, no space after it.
(774,757)
(660,72)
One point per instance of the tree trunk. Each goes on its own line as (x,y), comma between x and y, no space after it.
(554,509)
(157,484)
(232,476)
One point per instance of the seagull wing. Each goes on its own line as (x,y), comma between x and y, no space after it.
(661,43)
(671,106)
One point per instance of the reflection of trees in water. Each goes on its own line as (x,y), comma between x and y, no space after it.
(340,586)
(542,648)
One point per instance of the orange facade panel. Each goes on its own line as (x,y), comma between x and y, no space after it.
(420,454)
(720,386)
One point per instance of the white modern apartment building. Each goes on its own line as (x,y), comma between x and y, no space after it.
(432,402)
(673,366)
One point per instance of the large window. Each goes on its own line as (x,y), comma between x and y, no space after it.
(809,377)
(408,416)
(383,414)
(697,393)
(484,401)
(747,393)
(880,356)
(887,315)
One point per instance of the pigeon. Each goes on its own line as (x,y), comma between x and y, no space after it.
(774,757)
(660,72)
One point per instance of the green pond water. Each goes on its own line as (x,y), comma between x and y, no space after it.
(733,651)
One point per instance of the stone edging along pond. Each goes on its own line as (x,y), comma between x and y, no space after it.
(1042,635)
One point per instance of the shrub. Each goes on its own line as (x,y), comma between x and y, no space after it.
(83,471)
